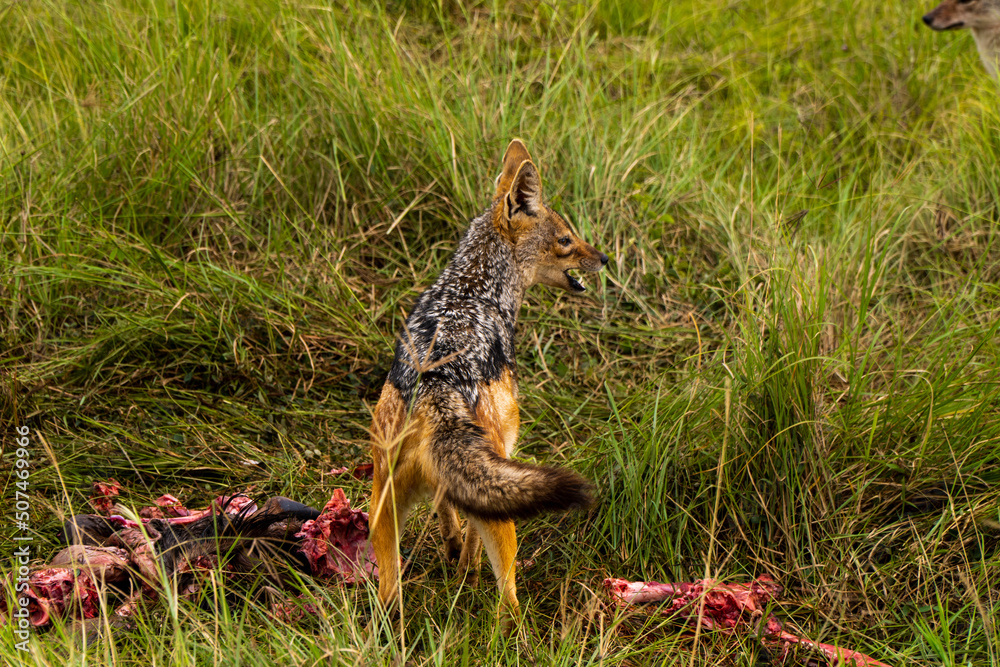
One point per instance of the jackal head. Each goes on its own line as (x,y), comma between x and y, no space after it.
(975,14)
(545,247)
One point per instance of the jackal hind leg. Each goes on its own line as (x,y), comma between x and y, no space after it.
(387,517)
(500,540)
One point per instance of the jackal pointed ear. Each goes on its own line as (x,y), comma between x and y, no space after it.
(515,154)
(525,191)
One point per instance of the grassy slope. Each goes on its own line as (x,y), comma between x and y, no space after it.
(214,213)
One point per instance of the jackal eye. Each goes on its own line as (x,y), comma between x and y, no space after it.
(565,241)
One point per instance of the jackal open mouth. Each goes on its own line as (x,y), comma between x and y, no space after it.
(574,284)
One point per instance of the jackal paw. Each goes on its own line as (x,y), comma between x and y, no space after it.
(468,572)
(452,549)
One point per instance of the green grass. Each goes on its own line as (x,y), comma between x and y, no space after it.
(214,214)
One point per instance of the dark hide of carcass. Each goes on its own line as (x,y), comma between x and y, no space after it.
(251,546)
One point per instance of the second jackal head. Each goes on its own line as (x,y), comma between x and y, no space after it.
(982,17)
(953,14)
(545,248)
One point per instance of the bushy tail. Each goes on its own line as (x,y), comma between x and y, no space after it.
(481,483)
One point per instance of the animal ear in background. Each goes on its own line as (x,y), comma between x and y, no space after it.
(515,154)
(525,191)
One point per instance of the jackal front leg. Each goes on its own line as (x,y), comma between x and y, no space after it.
(451,529)
(472,556)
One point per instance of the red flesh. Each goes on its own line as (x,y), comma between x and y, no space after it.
(729,608)
(336,542)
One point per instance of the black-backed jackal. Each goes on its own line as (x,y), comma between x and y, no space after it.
(447,420)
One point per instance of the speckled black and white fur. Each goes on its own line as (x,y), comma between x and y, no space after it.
(467,318)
